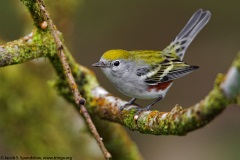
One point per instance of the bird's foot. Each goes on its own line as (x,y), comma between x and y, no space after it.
(132,101)
(139,110)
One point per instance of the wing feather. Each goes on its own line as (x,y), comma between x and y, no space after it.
(166,71)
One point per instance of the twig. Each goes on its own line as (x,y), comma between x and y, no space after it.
(78,98)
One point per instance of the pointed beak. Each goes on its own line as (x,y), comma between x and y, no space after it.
(100,64)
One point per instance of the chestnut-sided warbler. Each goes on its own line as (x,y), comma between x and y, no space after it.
(148,74)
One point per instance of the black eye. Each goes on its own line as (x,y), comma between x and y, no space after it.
(116,63)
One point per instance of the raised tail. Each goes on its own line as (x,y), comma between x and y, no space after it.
(180,44)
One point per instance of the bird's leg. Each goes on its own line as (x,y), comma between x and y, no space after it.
(132,101)
(149,106)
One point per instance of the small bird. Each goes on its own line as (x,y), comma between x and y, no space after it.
(148,74)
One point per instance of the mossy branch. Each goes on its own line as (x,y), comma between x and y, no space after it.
(27,48)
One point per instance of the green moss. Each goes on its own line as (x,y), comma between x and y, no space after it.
(128,119)
(40,45)
(216,100)
(34,10)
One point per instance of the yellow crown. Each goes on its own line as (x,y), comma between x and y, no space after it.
(116,54)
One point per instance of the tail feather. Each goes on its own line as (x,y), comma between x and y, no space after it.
(191,23)
(196,23)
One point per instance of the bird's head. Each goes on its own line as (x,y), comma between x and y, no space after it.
(115,63)
(112,58)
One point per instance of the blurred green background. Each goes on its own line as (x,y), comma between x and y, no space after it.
(91,27)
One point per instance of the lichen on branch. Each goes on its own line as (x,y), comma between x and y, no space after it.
(27,48)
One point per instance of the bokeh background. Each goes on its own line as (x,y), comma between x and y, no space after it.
(91,27)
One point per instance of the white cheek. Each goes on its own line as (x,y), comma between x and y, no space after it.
(118,69)
(115,68)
